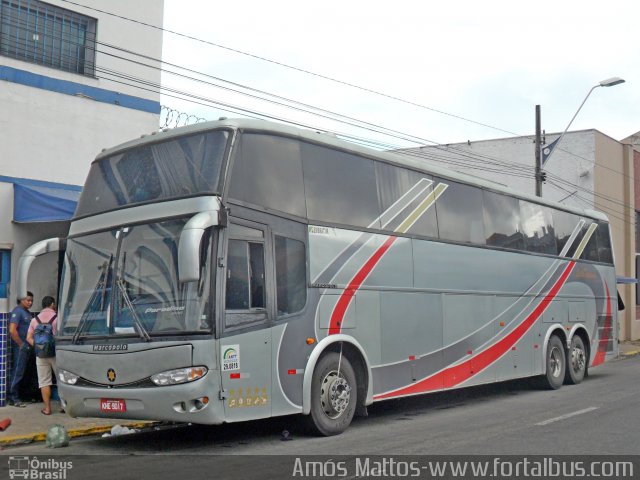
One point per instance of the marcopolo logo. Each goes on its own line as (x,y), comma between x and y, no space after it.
(37,469)
(230,357)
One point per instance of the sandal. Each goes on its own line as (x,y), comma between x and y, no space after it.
(45,412)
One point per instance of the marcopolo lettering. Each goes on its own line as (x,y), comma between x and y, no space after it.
(119,347)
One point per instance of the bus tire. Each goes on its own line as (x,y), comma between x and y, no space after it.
(576,361)
(555,362)
(334,396)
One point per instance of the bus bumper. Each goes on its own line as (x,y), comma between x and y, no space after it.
(194,402)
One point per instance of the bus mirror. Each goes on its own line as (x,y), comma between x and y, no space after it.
(189,245)
(29,255)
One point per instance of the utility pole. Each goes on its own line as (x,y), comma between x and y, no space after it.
(538,145)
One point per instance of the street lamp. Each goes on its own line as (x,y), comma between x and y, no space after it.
(549,149)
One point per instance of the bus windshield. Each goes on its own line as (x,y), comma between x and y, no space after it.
(125,282)
(176,168)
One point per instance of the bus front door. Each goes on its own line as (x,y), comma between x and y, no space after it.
(245,340)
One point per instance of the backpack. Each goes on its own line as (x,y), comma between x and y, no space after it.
(43,340)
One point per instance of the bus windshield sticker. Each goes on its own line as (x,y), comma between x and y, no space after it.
(230,357)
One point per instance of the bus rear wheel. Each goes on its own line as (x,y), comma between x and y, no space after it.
(555,364)
(576,361)
(334,395)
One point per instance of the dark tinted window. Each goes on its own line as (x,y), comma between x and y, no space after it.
(502,221)
(591,248)
(340,187)
(172,169)
(267,171)
(406,200)
(564,224)
(459,211)
(291,276)
(604,243)
(245,276)
(537,228)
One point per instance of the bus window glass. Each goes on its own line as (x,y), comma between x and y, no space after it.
(291,276)
(591,248)
(87,283)
(502,221)
(459,211)
(605,254)
(174,168)
(406,195)
(126,280)
(340,187)
(267,171)
(564,224)
(537,227)
(245,276)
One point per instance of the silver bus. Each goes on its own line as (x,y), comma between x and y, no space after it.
(240,269)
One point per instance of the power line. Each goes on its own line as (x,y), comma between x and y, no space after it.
(472,159)
(284,65)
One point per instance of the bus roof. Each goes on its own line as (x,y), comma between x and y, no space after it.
(330,139)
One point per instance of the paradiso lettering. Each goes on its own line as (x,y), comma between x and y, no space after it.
(230,358)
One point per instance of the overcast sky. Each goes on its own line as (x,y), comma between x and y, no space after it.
(488,61)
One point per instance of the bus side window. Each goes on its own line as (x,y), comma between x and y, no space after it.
(291,275)
(245,276)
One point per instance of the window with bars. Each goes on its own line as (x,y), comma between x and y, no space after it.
(40,33)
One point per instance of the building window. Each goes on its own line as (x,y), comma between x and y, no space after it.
(37,32)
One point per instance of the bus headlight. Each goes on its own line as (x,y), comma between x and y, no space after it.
(180,375)
(67,377)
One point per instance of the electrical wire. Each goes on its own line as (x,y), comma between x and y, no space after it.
(517,169)
(281,64)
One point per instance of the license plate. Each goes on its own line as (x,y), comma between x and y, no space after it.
(112,405)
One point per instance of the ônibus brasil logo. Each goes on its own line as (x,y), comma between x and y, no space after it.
(36,469)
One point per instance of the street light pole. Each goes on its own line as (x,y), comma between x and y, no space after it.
(548,151)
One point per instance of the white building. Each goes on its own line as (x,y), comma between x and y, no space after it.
(588,169)
(68,89)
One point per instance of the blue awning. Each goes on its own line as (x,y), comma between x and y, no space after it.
(39,203)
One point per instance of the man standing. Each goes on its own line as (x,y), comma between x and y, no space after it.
(21,352)
(44,325)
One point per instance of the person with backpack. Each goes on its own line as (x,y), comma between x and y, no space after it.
(41,337)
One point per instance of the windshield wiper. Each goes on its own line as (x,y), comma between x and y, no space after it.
(136,319)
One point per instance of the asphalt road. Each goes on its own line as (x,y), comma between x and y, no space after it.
(598,417)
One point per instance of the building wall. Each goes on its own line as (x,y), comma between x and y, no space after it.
(54,123)
(615,196)
(572,161)
(52,136)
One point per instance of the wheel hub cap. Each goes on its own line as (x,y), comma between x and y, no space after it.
(335,395)
(555,361)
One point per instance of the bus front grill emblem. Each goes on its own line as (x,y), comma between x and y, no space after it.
(111,375)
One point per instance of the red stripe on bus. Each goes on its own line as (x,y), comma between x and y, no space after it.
(603,343)
(335,324)
(233,376)
(452,376)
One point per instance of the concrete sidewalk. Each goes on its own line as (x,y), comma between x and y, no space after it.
(29,425)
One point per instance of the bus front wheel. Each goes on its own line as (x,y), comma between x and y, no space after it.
(333,394)
(555,364)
